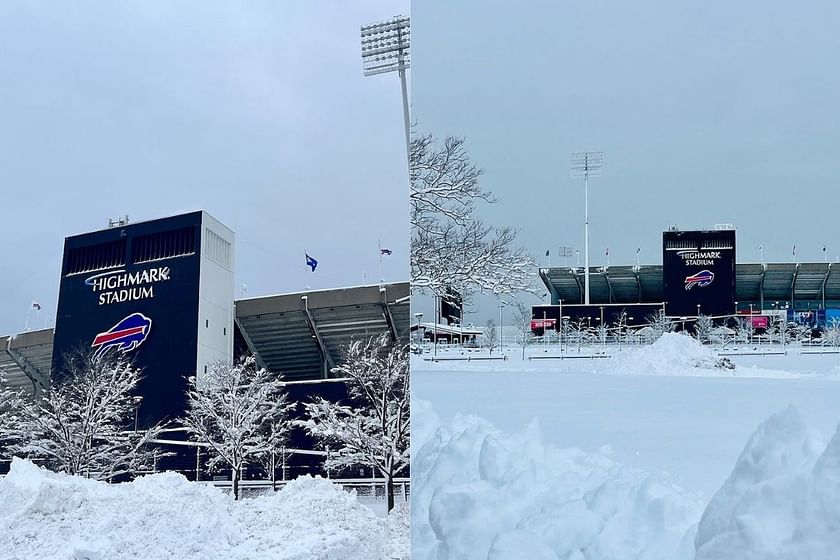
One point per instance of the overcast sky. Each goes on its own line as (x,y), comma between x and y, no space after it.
(707,113)
(254,111)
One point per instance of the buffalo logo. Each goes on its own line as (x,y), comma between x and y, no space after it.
(701,279)
(126,335)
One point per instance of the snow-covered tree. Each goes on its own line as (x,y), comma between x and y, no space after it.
(450,246)
(704,329)
(374,429)
(831,334)
(9,402)
(602,331)
(83,424)
(522,318)
(746,329)
(491,335)
(240,412)
(578,332)
(659,324)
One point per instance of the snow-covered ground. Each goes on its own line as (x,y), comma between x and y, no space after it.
(658,429)
(163,516)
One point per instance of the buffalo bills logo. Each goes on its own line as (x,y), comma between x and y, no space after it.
(701,279)
(126,335)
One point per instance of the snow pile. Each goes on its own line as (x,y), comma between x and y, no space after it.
(482,494)
(782,500)
(672,354)
(48,515)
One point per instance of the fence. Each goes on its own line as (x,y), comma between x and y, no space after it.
(369,488)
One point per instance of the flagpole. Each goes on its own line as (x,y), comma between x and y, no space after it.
(381,279)
(28,313)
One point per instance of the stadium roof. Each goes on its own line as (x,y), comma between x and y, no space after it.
(798,284)
(26,358)
(299,335)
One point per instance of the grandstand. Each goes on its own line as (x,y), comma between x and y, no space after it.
(299,335)
(765,286)
(699,275)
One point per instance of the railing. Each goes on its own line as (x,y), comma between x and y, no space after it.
(372,488)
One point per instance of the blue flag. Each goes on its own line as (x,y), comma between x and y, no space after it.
(310,262)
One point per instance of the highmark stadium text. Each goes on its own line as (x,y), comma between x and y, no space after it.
(107,284)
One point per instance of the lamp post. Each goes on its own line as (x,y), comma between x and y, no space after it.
(585,165)
(137,400)
(385,48)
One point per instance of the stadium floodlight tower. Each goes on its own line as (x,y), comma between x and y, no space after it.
(585,165)
(385,48)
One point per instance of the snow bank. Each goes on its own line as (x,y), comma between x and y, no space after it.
(48,515)
(672,354)
(782,500)
(479,493)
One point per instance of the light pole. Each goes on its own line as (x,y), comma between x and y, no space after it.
(385,48)
(137,400)
(436,318)
(560,326)
(585,165)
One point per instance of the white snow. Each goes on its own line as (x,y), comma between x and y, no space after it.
(480,493)
(657,431)
(671,354)
(164,516)
(782,500)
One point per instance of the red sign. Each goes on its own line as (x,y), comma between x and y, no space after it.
(543,323)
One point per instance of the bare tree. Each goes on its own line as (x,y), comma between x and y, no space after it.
(374,430)
(491,335)
(82,424)
(659,324)
(522,316)
(578,332)
(745,330)
(602,331)
(450,247)
(831,334)
(704,329)
(240,412)
(10,400)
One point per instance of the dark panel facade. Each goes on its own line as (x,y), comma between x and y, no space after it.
(135,289)
(698,272)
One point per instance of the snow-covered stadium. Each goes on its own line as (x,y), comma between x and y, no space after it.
(699,275)
(163,291)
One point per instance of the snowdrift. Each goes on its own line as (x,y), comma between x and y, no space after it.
(162,516)
(782,500)
(481,494)
(672,354)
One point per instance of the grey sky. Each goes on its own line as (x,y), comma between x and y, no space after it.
(255,111)
(707,112)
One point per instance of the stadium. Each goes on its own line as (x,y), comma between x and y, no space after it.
(162,291)
(699,276)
